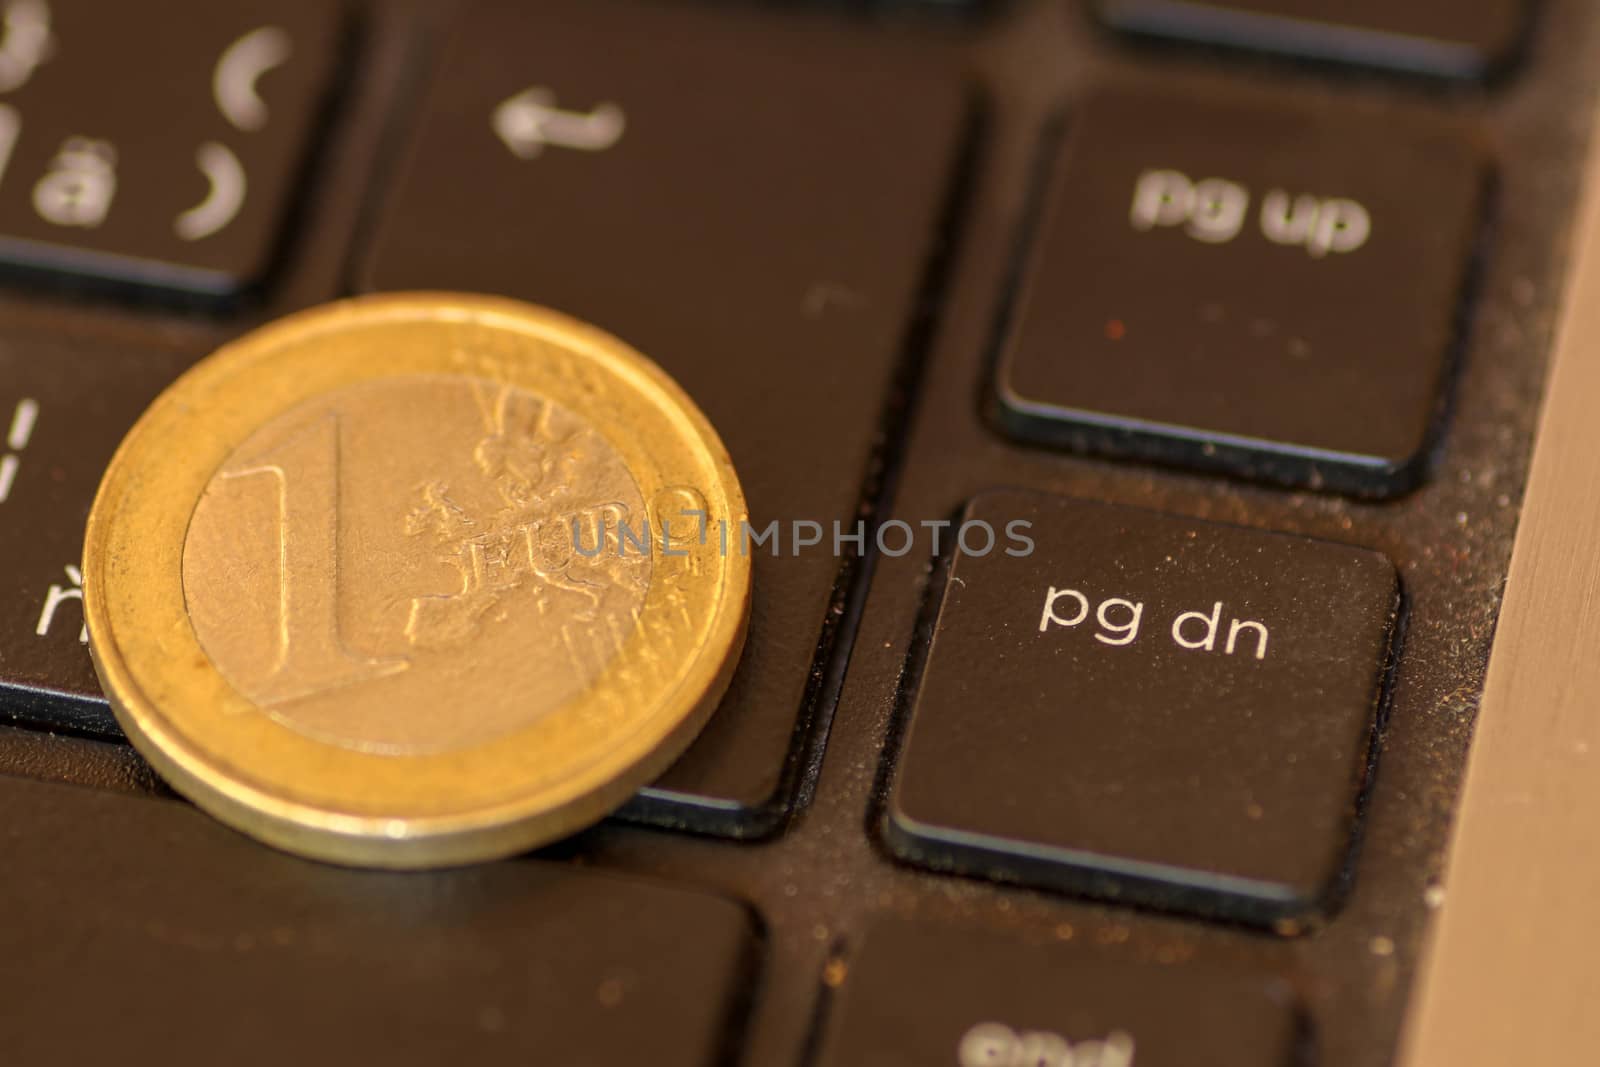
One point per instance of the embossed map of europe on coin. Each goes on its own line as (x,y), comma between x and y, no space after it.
(449,507)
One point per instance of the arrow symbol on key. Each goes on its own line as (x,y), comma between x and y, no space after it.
(530,120)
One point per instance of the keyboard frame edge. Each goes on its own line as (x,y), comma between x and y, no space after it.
(1508,972)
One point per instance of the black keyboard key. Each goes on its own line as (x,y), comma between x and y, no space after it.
(156,148)
(753,203)
(195,945)
(1449,38)
(64,406)
(1147,708)
(1268,291)
(916,994)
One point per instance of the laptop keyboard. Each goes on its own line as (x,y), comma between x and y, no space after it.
(1254,343)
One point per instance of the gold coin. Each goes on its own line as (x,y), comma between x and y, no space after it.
(415,580)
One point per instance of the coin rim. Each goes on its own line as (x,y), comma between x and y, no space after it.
(410,841)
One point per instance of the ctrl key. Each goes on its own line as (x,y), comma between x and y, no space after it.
(917,994)
(1147,708)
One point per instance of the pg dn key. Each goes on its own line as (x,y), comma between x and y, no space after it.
(1147,709)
